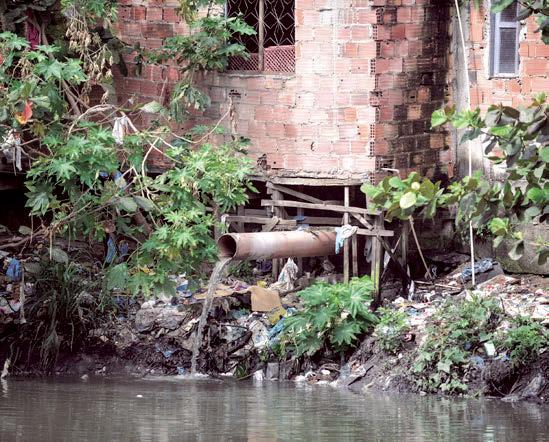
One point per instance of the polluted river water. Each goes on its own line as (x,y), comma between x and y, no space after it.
(170,409)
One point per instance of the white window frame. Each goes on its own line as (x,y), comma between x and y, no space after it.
(496,24)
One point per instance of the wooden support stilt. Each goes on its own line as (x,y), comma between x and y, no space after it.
(377,261)
(404,244)
(300,260)
(354,253)
(354,240)
(346,272)
(278,212)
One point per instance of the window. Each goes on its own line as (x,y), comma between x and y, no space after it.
(504,42)
(272,48)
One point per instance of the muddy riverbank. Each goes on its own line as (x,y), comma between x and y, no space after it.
(155,337)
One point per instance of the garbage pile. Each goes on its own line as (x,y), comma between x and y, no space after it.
(527,295)
(244,321)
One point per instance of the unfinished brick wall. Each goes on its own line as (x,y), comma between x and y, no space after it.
(485,90)
(317,121)
(411,69)
(368,74)
(533,74)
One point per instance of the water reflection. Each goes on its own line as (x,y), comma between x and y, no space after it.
(109,410)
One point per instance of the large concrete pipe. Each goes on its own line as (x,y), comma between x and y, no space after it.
(269,245)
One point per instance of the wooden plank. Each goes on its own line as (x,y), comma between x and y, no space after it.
(404,244)
(377,262)
(279,213)
(328,207)
(346,272)
(300,260)
(304,181)
(294,193)
(255,212)
(321,220)
(354,253)
(259,220)
(240,224)
(375,232)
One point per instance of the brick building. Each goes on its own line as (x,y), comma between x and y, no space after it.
(342,89)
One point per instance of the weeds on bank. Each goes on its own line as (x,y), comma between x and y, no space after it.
(59,311)
(333,315)
(391,329)
(524,340)
(459,331)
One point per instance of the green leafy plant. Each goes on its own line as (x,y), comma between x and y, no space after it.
(207,48)
(458,330)
(333,315)
(524,340)
(58,313)
(521,139)
(391,329)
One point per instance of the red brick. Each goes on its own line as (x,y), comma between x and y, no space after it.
(538,66)
(154,14)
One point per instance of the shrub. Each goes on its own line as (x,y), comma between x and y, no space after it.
(458,329)
(390,330)
(334,315)
(524,340)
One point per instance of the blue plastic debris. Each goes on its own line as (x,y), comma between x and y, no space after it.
(482,266)
(167,352)
(274,333)
(478,361)
(111,251)
(180,371)
(14,272)
(123,248)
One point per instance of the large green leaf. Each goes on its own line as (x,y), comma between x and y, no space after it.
(127,204)
(438,118)
(408,200)
(117,276)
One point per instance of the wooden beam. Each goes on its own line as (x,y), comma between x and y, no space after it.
(354,253)
(294,193)
(377,262)
(346,272)
(321,220)
(304,181)
(328,207)
(259,220)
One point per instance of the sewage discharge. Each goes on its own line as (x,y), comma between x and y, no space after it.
(212,285)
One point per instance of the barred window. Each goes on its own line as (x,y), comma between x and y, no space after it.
(272,48)
(504,42)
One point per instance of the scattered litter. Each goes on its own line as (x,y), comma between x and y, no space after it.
(343,233)
(264,300)
(490,348)
(14,272)
(287,277)
(481,266)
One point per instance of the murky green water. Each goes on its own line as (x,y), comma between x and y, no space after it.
(173,410)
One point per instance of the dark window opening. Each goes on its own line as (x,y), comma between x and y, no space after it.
(504,42)
(272,48)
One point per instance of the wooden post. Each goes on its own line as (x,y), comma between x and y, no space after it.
(261,35)
(278,212)
(404,244)
(377,261)
(354,240)
(300,260)
(354,253)
(346,243)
